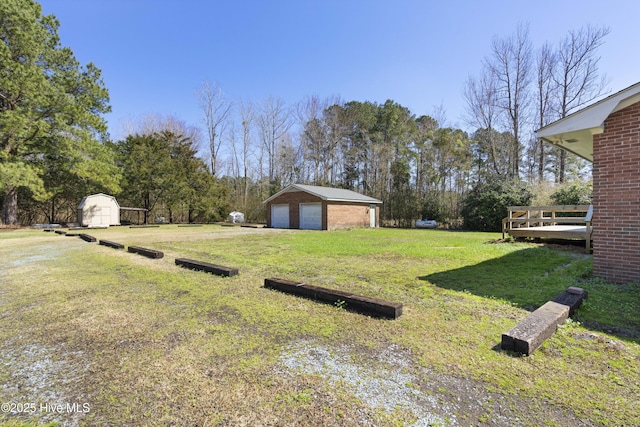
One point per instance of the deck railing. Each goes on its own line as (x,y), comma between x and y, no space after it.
(520,217)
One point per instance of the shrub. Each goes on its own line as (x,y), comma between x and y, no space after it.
(486,204)
(432,207)
(573,193)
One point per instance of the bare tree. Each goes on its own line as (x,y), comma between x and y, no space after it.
(544,89)
(150,124)
(217,110)
(234,160)
(576,74)
(332,117)
(288,161)
(313,133)
(273,122)
(316,142)
(510,64)
(247,115)
(481,96)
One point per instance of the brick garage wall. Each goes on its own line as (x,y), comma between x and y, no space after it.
(616,197)
(343,215)
(293,199)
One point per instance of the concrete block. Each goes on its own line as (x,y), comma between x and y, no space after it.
(531,332)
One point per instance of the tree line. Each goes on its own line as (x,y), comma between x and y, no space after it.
(55,149)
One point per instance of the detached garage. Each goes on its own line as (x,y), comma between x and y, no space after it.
(98,210)
(311,207)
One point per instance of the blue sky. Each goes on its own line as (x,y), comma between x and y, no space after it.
(154,54)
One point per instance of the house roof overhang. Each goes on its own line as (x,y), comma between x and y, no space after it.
(574,133)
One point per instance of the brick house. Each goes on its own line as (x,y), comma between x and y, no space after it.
(321,208)
(607,133)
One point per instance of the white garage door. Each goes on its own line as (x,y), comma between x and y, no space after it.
(311,216)
(280,216)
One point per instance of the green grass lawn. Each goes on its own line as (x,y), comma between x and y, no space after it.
(144,342)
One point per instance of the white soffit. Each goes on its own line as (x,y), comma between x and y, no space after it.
(575,132)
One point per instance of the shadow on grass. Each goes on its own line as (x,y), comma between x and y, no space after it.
(521,277)
(530,277)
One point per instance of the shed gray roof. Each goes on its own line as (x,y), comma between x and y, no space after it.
(327,193)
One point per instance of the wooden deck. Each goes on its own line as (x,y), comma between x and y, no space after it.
(536,222)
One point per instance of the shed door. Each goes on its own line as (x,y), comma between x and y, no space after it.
(311,216)
(280,216)
(372,216)
(105,216)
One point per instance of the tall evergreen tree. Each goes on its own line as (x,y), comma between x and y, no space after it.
(50,107)
(148,172)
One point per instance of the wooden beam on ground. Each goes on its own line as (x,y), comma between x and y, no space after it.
(189,225)
(149,253)
(205,266)
(72,234)
(533,330)
(144,226)
(572,298)
(87,238)
(362,304)
(111,244)
(60,232)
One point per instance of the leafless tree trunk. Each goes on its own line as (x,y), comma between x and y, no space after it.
(247,116)
(481,96)
(235,160)
(335,133)
(157,124)
(510,64)
(273,123)
(545,60)
(216,109)
(315,135)
(576,74)
(289,161)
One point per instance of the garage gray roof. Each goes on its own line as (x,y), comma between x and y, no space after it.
(327,193)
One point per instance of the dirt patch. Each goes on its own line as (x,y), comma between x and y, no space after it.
(42,383)
(390,381)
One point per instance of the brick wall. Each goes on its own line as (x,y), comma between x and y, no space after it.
(339,214)
(344,215)
(616,197)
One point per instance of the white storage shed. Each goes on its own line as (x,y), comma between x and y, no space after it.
(98,210)
(235,217)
